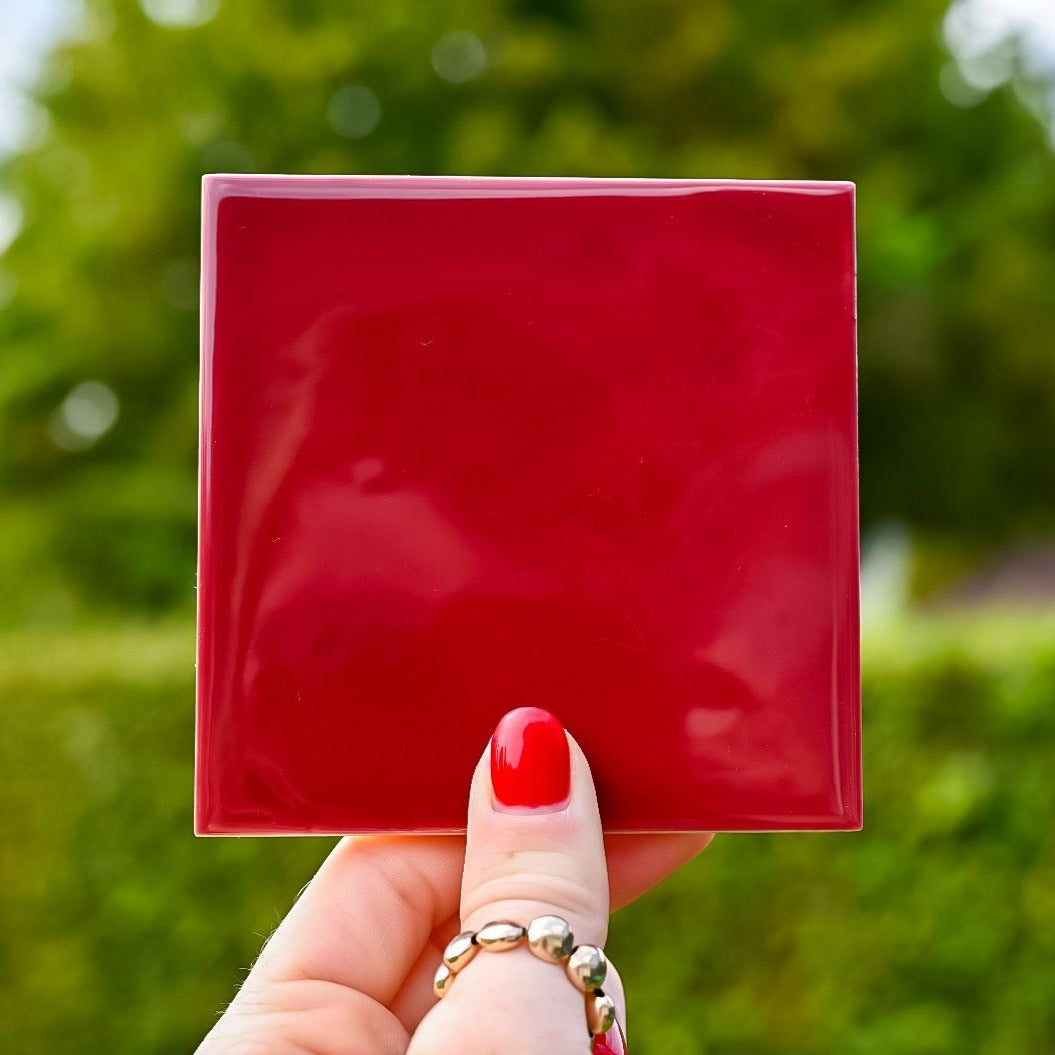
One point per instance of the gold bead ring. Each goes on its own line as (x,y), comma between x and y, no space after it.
(550,939)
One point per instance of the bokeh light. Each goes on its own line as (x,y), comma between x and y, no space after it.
(354,111)
(459,57)
(180,13)
(88,412)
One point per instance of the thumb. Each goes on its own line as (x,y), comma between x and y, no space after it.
(533,844)
(534,848)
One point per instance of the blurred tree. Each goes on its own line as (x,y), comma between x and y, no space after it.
(956,228)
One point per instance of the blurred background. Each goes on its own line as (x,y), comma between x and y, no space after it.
(931,932)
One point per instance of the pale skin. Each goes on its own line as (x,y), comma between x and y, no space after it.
(349,971)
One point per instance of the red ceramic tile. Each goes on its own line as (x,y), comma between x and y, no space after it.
(469,445)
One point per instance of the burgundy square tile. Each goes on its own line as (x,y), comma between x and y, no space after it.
(470,444)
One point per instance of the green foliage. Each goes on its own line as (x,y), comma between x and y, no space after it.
(933,931)
(957,268)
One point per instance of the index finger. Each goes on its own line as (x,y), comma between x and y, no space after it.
(364,919)
(637,862)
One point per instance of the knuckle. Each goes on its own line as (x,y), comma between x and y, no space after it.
(533,891)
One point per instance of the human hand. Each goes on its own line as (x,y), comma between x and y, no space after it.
(350,970)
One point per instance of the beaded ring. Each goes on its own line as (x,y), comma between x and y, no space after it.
(550,939)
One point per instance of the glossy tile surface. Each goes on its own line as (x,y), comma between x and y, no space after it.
(469,445)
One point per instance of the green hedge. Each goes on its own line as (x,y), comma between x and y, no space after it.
(932,931)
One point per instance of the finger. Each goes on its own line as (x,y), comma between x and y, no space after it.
(533,842)
(416,997)
(636,863)
(533,848)
(613,986)
(304,1016)
(366,917)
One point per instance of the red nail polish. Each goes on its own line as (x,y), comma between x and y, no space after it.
(530,764)
(610,1043)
